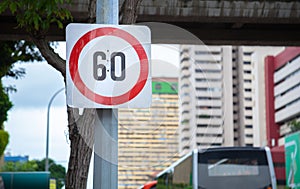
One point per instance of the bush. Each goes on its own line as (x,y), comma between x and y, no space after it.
(4,136)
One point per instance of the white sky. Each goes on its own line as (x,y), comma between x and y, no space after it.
(28,118)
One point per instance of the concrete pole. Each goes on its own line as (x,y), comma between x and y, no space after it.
(106,122)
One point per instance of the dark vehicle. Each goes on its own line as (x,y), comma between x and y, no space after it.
(218,168)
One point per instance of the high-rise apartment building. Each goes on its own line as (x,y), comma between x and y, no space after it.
(217,96)
(148,138)
(204,86)
(248,94)
(243,95)
(282,94)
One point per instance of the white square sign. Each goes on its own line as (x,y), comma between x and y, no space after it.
(108,66)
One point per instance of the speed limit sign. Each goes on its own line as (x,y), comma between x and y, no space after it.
(108,66)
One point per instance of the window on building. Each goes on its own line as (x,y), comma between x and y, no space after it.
(248,117)
(207,80)
(185,103)
(186,148)
(185,68)
(185,112)
(185,121)
(185,130)
(207,71)
(185,94)
(216,144)
(201,52)
(185,59)
(185,77)
(184,51)
(202,125)
(184,86)
(247,53)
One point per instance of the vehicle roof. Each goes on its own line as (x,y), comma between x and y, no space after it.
(235,148)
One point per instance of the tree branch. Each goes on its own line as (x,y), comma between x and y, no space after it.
(129,11)
(92,11)
(51,57)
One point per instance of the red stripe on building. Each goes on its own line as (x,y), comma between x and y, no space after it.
(285,56)
(272,128)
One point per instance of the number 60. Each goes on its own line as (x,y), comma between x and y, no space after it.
(102,68)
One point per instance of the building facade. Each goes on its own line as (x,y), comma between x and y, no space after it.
(201,90)
(218,86)
(248,94)
(148,138)
(282,94)
(243,91)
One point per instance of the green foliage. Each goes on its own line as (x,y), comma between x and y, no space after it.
(294,125)
(20,166)
(5,105)
(4,138)
(12,52)
(37,16)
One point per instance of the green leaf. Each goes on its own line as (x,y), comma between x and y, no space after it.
(4,138)
(60,24)
(36,16)
(36,23)
(13,7)
(3,6)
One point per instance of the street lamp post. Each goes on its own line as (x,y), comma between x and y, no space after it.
(47,138)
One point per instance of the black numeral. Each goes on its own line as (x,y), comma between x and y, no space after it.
(113,66)
(99,70)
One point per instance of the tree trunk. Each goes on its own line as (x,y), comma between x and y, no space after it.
(81,134)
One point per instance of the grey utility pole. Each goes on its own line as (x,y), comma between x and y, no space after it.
(106,123)
(47,135)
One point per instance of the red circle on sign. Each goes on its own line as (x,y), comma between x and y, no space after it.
(106,100)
